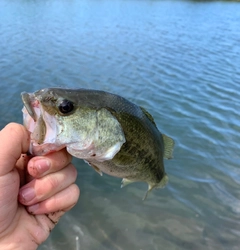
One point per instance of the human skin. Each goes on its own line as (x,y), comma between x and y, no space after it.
(34,191)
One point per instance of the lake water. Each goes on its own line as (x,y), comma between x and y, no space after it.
(178,59)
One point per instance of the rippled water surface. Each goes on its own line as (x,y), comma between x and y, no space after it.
(178,59)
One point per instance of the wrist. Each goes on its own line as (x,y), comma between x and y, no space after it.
(17,243)
(13,246)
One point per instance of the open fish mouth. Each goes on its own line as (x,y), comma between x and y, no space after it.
(40,124)
(28,101)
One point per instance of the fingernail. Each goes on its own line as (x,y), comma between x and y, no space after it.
(27,194)
(42,165)
(33,208)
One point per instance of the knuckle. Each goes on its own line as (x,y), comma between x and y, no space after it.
(51,182)
(73,171)
(15,128)
(54,201)
(75,190)
(67,155)
(60,159)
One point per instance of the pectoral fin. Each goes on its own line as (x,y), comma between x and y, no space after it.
(151,186)
(168,147)
(125,182)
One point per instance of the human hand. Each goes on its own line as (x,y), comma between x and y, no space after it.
(34,192)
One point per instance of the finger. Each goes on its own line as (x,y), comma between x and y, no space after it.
(41,189)
(62,201)
(21,165)
(54,217)
(14,141)
(46,222)
(40,166)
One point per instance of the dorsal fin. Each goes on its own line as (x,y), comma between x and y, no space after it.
(168,147)
(148,115)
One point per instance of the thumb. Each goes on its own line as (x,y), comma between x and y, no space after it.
(14,140)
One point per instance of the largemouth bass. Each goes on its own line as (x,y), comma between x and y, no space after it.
(109,132)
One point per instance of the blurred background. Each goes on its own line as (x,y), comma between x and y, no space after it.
(178,59)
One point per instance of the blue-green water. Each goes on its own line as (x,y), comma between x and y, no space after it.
(178,59)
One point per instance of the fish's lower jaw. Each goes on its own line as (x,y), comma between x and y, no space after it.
(43,149)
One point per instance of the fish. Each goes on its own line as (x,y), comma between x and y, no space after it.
(113,135)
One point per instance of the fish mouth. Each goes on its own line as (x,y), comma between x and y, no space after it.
(43,127)
(33,119)
(27,101)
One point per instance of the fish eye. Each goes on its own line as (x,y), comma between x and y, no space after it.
(65,106)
